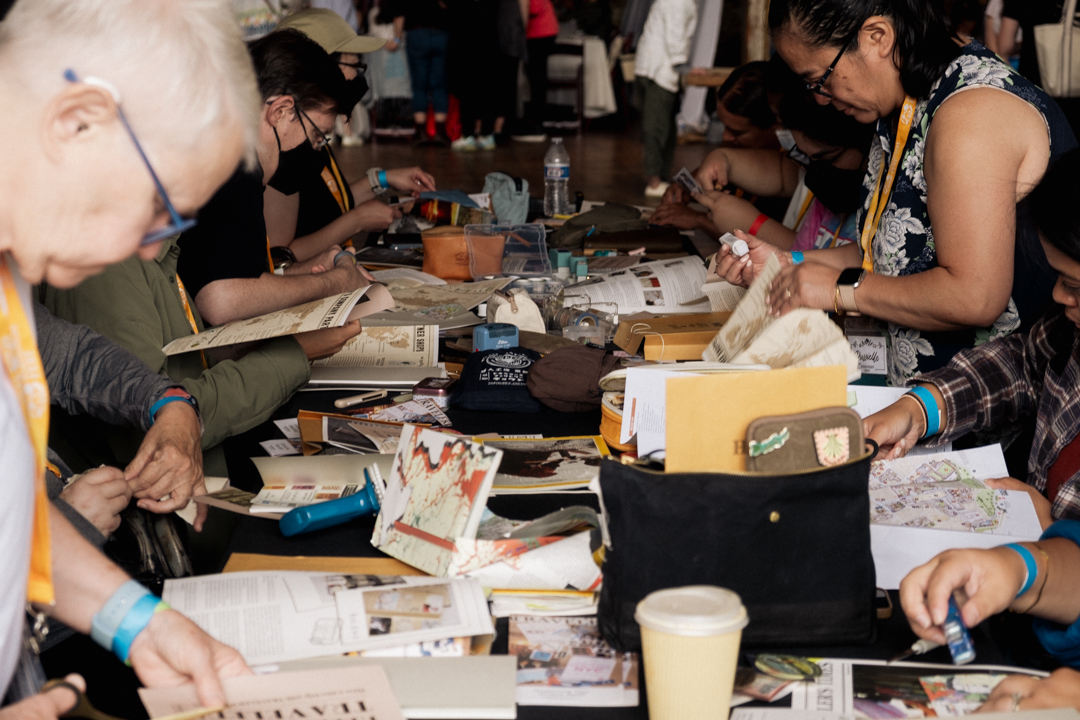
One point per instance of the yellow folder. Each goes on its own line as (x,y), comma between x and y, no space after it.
(707,415)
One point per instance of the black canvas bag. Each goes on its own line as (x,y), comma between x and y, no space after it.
(795,547)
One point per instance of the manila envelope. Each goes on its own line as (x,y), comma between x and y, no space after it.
(634,328)
(707,415)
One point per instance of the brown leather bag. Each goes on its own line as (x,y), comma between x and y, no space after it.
(446,255)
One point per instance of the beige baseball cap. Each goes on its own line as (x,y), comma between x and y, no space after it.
(331,31)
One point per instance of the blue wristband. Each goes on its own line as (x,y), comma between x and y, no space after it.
(796,258)
(105,622)
(136,620)
(382,179)
(933,414)
(168,399)
(1029,564)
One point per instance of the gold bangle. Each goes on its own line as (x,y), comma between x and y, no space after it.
(836,300)
(922,411)
(1046,579)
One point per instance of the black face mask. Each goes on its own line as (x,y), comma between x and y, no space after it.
(837,189)
(357,89)
(303,161)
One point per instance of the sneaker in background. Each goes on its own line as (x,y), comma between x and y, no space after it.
(465,144)
(658,191)
(485,142)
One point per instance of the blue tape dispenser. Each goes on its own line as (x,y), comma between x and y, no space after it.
(366,501)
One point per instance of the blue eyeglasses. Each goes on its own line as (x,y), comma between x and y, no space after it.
(176,224)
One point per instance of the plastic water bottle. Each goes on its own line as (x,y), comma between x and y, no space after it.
(556,179)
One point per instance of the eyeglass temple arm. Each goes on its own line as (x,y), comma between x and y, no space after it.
(70,76)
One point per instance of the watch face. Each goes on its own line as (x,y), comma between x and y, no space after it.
(849,276)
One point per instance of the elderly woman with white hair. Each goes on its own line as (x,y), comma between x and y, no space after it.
(94,171)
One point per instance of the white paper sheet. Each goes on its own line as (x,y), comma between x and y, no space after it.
(898,549)
(567,563)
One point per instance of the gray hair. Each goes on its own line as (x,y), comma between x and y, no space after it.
(180,65)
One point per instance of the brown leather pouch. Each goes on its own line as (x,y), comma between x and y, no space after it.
(804,441)
(446,255)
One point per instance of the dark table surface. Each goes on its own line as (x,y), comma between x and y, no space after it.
(111,686)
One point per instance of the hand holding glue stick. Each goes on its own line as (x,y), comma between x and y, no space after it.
(737,246)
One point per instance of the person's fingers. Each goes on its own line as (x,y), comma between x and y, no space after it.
(62,700)
(1004,697)
(913,596)
(102,476)
(201,511)
(161,507)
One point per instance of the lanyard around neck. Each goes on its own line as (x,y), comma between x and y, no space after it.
(19,353)
(881,193)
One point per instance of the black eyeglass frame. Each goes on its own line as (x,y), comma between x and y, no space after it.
(818,88)
(324,138)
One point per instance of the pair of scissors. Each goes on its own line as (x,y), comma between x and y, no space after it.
(83,709)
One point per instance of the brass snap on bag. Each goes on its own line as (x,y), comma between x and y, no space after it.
(794,546)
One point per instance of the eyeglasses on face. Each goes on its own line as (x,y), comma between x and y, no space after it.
(176,224)
(357,66)
(818,88)
(324,138)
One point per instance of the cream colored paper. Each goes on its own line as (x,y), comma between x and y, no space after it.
(354,691)
(389,346)
(333,311)
(707,415)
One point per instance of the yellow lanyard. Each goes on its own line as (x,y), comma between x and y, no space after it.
(190,315)
(23,365)
(269,255)
(881,194)
(805,206)
(335,183)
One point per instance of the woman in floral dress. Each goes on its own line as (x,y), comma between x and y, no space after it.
(951,258)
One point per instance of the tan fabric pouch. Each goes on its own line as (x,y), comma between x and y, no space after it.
(445,254)
(804,441)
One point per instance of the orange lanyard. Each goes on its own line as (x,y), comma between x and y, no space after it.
(335,183)
(805,206)
(190,315)
(269,256)
(23,365)
(881,194)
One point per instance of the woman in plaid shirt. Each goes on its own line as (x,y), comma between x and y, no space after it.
(1018,376)
(1002,381)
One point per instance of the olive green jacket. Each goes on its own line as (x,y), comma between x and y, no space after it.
(137,304)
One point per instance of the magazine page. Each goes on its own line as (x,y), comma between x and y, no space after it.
(663,286)
(872,689)
(564,661)
(333,311)
(546,464)
(353,691)
(388,346)
(283,498)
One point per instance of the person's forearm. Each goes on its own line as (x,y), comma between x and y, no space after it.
(933,301)
(337,232)
(761,172)
(841,258)
(224,301)
(90,374)
(399,26)
(84,578)
(1058,591)
(361,191)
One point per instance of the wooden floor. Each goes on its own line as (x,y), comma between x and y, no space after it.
(604,166)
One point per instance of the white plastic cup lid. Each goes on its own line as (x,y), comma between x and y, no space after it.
(695,611)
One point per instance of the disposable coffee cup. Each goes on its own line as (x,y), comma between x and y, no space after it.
(690,646)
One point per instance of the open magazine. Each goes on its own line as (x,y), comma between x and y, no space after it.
(664,286)
(330,312)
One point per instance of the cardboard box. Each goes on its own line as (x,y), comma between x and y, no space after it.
(639,328)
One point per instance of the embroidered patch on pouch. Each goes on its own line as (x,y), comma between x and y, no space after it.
(766,446)
(833,446)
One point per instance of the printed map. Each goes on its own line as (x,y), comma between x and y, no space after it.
(934,491)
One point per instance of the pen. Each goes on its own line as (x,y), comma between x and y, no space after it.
(920,647)
(357,399)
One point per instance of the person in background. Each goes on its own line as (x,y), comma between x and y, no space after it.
(663,47)
(947,256)
(1018,21)
(541,28)
(81,84)
(742,105)
(427,23)
(829,156)
(310,206)
(224,260)
(469,61)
